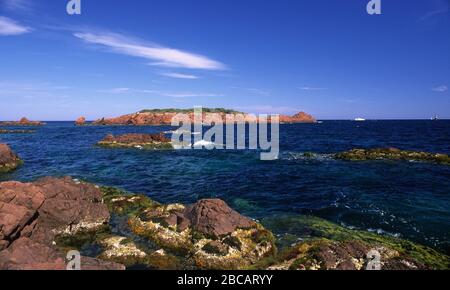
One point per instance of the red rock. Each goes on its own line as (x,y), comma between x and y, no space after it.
(165,118)
(67,188)
(297,118)
(31,214)
(212,217)
(18,208)
(13,218)
(26,254)
(23,194)
(23,122)
(70,206)
(80,121)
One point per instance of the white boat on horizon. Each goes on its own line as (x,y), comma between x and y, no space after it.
(360,120)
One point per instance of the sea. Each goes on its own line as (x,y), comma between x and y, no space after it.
(409,200)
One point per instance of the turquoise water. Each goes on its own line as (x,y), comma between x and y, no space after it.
(405,199)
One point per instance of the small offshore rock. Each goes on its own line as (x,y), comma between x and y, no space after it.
(139,141)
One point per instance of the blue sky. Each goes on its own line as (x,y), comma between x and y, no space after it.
(326,57)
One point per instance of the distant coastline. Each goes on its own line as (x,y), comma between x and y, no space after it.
(155,117)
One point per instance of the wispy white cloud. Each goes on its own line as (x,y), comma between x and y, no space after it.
(119,91)
(179,76)
(439,11)
(11,27)
(255,91)
(14,5)
(312,89)
(440,89)
(115,91)
(161,56)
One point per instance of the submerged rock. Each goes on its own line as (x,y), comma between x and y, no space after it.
(327,246)
(8,159)
(2,131)
(205,235)
(140,141)
(123,250)
(41,221)
(392,154)
(23,122)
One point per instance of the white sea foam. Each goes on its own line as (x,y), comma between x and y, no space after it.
(204,143)
(182,132)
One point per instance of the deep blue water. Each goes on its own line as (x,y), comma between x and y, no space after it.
(410,200)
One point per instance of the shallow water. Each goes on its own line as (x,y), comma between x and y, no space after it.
(409,200)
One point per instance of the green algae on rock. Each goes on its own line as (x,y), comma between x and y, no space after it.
(43,220)
(9,161)
(138,141)
(327,246)
(210,235)
(122,203)
(207,235)
(392,154)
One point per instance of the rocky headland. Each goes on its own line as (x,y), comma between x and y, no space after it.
(22,122)
(41,221)
(392,154)
(165,116)
(8,159)
(140,141)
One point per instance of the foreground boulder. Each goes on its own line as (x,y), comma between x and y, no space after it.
(26,254)
(70,207)
(392,154)
(140,141)
(42,221)
(23,122)
(32,215)
(8,159)
(204,235)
